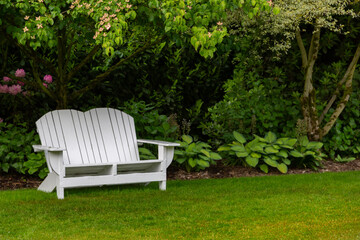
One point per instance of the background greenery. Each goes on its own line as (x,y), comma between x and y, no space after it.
(173,90)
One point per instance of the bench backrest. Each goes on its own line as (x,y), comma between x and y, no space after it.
(100,135)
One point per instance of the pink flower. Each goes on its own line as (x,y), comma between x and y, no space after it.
(48,78)
(25,93)
(45,85)
(4,89)
(14,89)
(209,34)
(21,83)
(270,2)
(1,120)
(20,73)
(7,79)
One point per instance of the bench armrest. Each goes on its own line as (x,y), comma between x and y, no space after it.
(40,148)
(160,143)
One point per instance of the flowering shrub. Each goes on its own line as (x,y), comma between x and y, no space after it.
(14,87)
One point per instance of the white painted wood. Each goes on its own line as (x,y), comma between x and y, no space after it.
(158,142)
(60,134)
(123,137)
(92,138)
(80,136)
(107,134)
(98,140)
(89,181)
(49,183)
(95,148)
(117,136)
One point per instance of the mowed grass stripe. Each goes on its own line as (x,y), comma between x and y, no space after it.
(309,206)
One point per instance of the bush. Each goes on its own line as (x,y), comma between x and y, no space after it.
(195,155)
(271,151)
(253,105)
(16,150)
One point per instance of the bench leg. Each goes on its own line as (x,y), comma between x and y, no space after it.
(60,192)
(49,183)
(162,185)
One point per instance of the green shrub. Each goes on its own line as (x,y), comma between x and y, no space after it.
(195,155)
(253,104)
(271,151)
(16,150)
(307,154)
(149,123)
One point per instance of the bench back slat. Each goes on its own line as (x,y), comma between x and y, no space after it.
(101,135)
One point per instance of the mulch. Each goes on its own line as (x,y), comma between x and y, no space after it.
(17,181)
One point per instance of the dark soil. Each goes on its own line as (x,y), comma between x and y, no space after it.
(16,181)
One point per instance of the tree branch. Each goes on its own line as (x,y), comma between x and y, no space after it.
(83,62)
(100,77)
(350,70)
(302,49)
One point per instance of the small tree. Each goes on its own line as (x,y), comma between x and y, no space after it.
(63,37)
(295,18)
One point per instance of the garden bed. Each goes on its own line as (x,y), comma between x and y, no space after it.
(16,181)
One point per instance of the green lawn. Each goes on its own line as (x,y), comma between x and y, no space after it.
(311,206)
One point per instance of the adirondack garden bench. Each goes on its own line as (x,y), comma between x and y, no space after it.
(95,148)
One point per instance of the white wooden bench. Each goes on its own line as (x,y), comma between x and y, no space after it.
(95,148)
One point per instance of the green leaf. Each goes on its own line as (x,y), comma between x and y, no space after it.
(271,150)
(239,137)
(5,167)
(255,155)
(270,162)
(192,162)
(180,160)
(314,145)
(206,153)
(282,168)
(303,140)
(242,154)
(283,154)
(276,10)
(252,161)
(286,161)
(270,137)
(223,148)
(203,163)
(188,139)
(238,148)
(264,168)
(215,156)
(296,154)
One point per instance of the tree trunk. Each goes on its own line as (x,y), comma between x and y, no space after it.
(308,98)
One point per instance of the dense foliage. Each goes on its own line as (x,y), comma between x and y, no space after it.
(181,68)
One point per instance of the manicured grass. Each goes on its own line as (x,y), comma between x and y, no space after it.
(312,206)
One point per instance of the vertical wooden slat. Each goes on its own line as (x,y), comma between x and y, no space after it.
(116,130)
(122,132)
(60,134)
(86,136)
(92,138)
(52,131)
(134,139)
(46,133)
(107,134)
(129,136)
(80,135)
(40,130)
(70,137)
(98,136)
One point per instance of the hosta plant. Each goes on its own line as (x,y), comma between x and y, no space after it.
(195,155)
(307,153)
(262,152)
